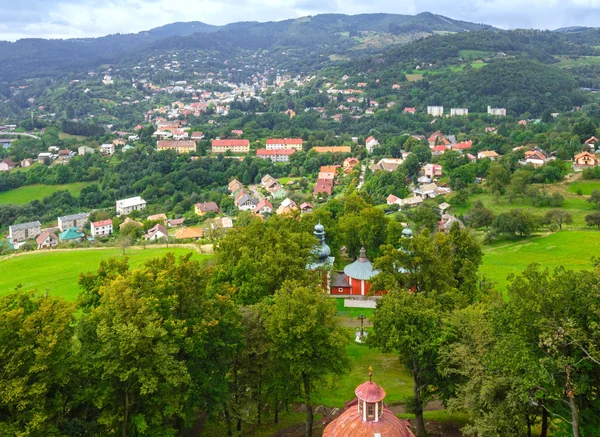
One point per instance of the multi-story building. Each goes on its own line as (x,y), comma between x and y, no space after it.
(75,220)
(102,228)
(436,111)
(332,149)
(278,155)
(456,112)
(284,143)
(235,146)
(125,206)
(107,149)
(185,146)
(24,231)
(497,111)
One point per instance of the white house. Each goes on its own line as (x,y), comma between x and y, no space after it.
(125,206)
(496,111)
(436,111)
(371,143)
(246,202)
(107,149)
(102,228)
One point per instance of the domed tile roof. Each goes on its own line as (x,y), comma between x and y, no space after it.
(351,424)
(361,269)
(370,392)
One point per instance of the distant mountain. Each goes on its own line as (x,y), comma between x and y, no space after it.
(328,34)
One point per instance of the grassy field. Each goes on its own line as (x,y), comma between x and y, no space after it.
(587,186)
(29,193)
(387,372)
(58,272)
(64,136)
(566,62)
(415,77)
(571,249)
(472,55)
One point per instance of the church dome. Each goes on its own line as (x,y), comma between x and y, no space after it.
(361,269)
(406,232)
(367,416)
(319,229)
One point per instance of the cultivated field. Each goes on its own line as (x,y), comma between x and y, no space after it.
(29,193)
(57,272)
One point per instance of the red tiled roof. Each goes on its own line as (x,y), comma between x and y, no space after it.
(463,145)
(284,141)
(102,223)
(439,149)
(264,152)
(230,143)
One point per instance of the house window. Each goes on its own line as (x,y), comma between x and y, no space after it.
(370,410)
(340,290)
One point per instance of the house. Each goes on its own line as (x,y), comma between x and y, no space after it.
(234,186)
(276,155)
(490,130)
(500,112)
(263,207)
(102,228)
(438,150)
(107,149)
(438,139)
(180,146)
(411,202)
(349,164)
(24,231)
(119,142)
(245,202)
(27,162)
(46,240)
(427,191)
(591,143)
(175,223)
(537,157)
(197,136)
(234,146)
(444,207)
(435,111)
(284,143)
(585,160)
(393,200)
(387,164)
(288,206)
(7,165)
(464,145)
(447,221)
(189,234)
(371,143)
(203,208)
(489,154)
(472,158)
(125,206)
(278,193)
(433,170)
(268,182)
(72,234)
(306,208)
(162,217)
(333,149)
(156,233)
(127,221)
(409,111)
(237,132)
(85,150)
(457,112)
(45,157)
(74,220)
(324,184)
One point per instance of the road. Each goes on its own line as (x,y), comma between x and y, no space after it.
(361,178)
(25,134)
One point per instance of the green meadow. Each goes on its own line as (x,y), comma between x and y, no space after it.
(29,193)
(57,272)
(571,249)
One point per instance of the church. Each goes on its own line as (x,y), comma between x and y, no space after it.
(368,416)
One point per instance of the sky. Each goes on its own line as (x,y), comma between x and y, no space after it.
(91,18)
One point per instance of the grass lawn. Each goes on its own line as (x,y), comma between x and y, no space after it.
(387,372)
(284,181)
(58,272)
(64,136)
(29,193)
(352,313)
(469,55)
(566,62)
(571,249)
(414,77)
(26,169)
(587,186)
(267,429)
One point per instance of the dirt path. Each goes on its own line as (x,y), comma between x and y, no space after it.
(205,249)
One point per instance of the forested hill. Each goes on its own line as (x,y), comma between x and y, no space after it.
(331,33)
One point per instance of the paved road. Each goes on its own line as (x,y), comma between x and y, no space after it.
(25,134)
(361,179)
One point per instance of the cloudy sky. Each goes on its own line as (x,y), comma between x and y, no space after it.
(79,18)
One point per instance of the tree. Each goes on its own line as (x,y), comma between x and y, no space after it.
(497,179)
(558,217)
(593,219)
(306,338)
(411,326)
(37,381)
(423,152)
(595,198)
(479,216)
(516,221)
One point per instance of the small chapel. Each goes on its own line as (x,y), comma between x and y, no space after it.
(368,416)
